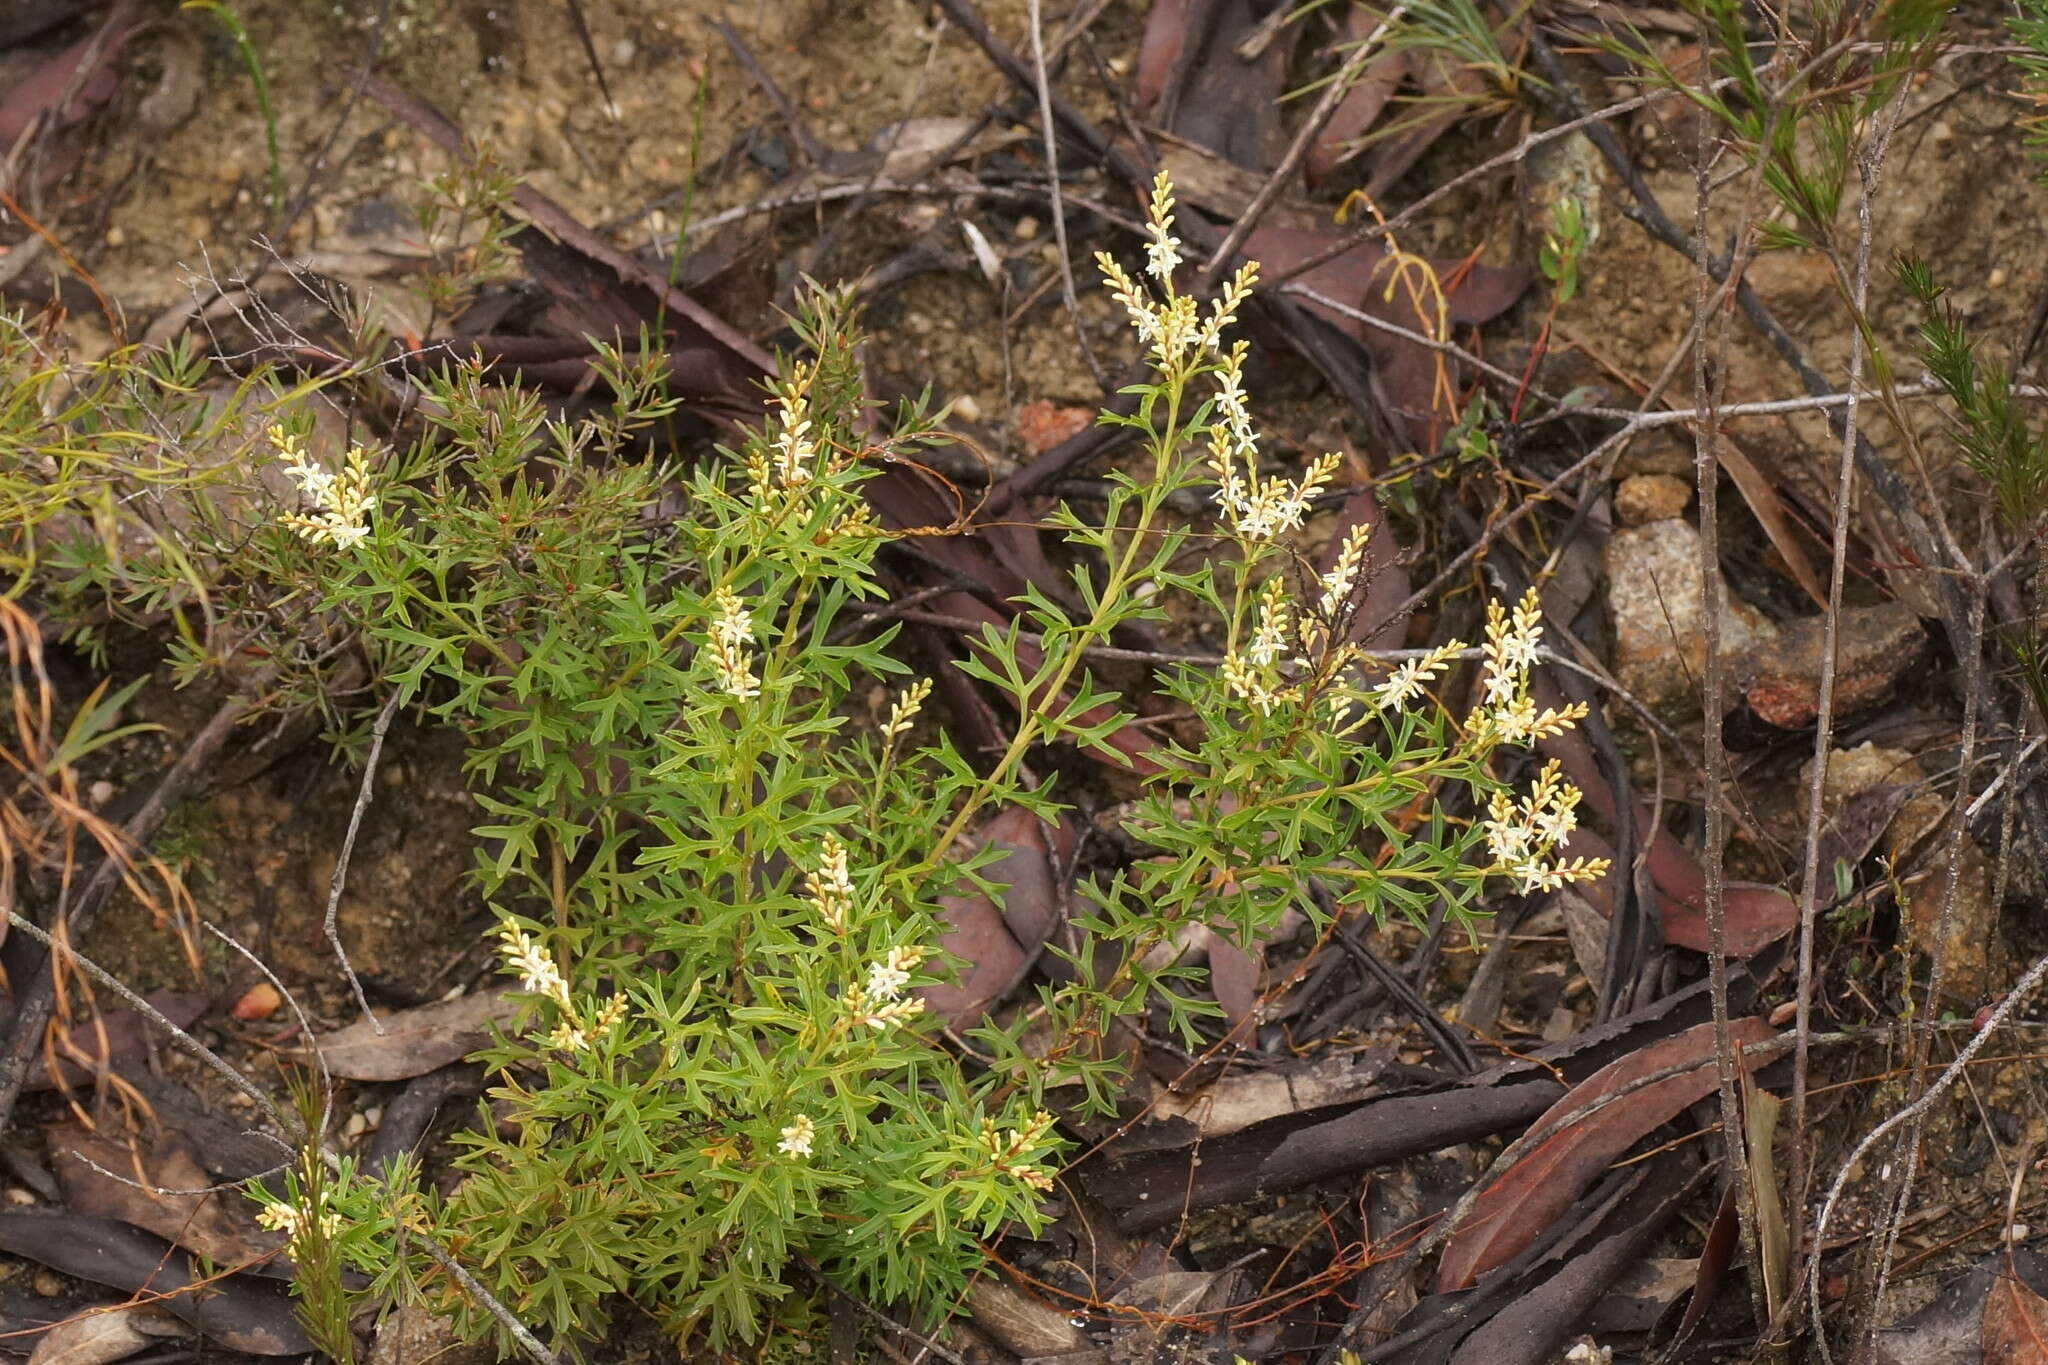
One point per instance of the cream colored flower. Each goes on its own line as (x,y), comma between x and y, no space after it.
(1343,575)
(795,454)
(530,960)
(887,978)
(798,1137)
(1408,681)
(882,1015)
(908,703)
(1525,837)
(1269,637)
(292,1221)
(831,886)
(732,638)
(341,503)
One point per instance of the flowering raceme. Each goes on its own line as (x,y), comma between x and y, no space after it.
(529,959)
(341,503)
(732,638)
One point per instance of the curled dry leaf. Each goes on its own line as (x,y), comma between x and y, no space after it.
(146,1189)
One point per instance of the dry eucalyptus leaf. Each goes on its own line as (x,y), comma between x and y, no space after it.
(2015,1324)
(416,1041)
(100,1335)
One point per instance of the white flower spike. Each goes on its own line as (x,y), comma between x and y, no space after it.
(341,503)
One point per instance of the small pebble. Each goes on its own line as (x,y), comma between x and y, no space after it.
(623,51)
(115,236)
(1026,229)
(1650,497)
(1941,132)
(373,1117)
(19,1196)
(100,792)
(966,409)
(356,1126)
(1996,279)
(49,1283)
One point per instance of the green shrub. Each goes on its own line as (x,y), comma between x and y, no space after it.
(720,890)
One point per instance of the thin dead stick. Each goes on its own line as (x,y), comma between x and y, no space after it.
(1709,380)
(348,848)
(185,1041)
(1870,166)
(529,1344)
(38,998)
(1512,156)
(1937,972)
(814,151)
(2021,989)
(1052,178)
(925,1344)
(854,189)
(2010,771)
(284,993)
(1449,348)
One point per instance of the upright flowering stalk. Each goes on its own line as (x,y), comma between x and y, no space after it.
(1506,715)
(1527,837)
(1256,508)
(832,888)
(732,640)
(793,456)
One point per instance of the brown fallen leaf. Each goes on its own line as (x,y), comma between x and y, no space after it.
(1159,51)
(100,1335)
(997,943)
(1527,1197)
(1361,106)
(2015,1324)
(1774,1239)
(1755,915)
(219,1225)
(69,84)
(1769,509)
(416,1041)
